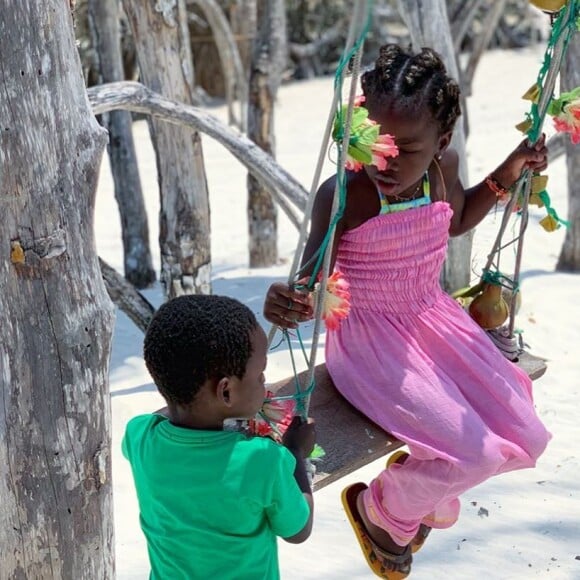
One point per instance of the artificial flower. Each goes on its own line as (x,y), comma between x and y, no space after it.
(532,94)
(336,304)
(366,145)
(565,111)
(273,418)
(524,126)
(549,223)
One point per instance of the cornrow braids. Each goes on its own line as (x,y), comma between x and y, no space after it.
(411,82)
(192,339)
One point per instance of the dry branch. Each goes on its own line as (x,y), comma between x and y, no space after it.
(136,97)
(126,297)
(233,71)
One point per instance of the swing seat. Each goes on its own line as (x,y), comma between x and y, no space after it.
(350,439)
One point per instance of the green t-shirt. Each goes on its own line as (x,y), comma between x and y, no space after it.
(212,502)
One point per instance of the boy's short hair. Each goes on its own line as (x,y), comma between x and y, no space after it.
(195,338)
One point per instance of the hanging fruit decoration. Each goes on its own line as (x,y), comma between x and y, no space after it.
(549,5)
(489,309)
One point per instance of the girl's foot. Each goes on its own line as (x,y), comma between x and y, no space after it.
(381,538)
(385,558)
(419,539)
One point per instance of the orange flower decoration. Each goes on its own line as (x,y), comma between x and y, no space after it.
(336,304)
(274,417)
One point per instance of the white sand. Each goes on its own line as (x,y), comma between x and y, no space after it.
(520,525)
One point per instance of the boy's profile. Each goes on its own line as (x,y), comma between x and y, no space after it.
(212,502)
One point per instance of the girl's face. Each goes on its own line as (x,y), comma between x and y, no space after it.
(418,139)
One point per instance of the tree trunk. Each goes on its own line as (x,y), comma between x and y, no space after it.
(569,259)
(243,22)
(268,62)
(104,25)
(160,31)
(429,26)
(231,63)
(55,317)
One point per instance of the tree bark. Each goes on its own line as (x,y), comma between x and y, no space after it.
(126,297)
(160,31)
(232,69)
(138,265)
(429,26)
(55,317)
(569,259)
(268,63)
(481,42)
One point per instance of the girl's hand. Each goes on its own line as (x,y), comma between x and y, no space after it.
(286,307)
(524,156)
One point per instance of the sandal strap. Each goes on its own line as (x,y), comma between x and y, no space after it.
(398,559)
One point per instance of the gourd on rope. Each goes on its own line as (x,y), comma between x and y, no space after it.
(488,306)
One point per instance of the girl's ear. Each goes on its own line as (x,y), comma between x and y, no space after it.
(444,142)
(223,391)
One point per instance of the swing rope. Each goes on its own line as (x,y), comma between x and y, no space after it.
(563,27)
(360,25)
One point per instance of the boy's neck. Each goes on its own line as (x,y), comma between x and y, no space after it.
(190,418)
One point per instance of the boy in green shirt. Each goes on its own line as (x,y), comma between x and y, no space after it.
(212,502)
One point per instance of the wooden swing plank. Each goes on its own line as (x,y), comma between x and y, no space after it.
(350,439)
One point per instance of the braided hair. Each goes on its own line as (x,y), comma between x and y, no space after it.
(409,82)
(192,339)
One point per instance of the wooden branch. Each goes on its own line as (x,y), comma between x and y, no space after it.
(233,71)
(462,20)
(127,297)
(302,51)
(136,97)
(483,39)
(556,146)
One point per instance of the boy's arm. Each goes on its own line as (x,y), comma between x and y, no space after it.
(301,477)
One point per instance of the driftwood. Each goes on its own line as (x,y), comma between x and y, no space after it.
(349,439)
(556,146)
(232,68)
(126,297)
(569,259)
(161,36)
(136,97)
(104,23)
(481,42)
(266,68)
(56,321)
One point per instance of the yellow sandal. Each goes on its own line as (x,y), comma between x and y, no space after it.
(375,556)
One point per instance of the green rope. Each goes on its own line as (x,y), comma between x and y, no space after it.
(496,278)
(544,196)
(341,175)
(558,29)
(300,395)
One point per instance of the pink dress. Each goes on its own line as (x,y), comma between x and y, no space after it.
(412,360)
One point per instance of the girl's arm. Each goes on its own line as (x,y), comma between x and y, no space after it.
(285,306)
(471,205)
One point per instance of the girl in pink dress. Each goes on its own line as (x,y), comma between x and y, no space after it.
(408,356)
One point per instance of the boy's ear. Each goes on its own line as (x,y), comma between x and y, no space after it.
(223,391)
(444,142)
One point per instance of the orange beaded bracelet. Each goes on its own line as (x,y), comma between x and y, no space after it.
(500,191)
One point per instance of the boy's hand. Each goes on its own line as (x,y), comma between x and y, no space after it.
(524,156)
(300,436)
(286,307)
